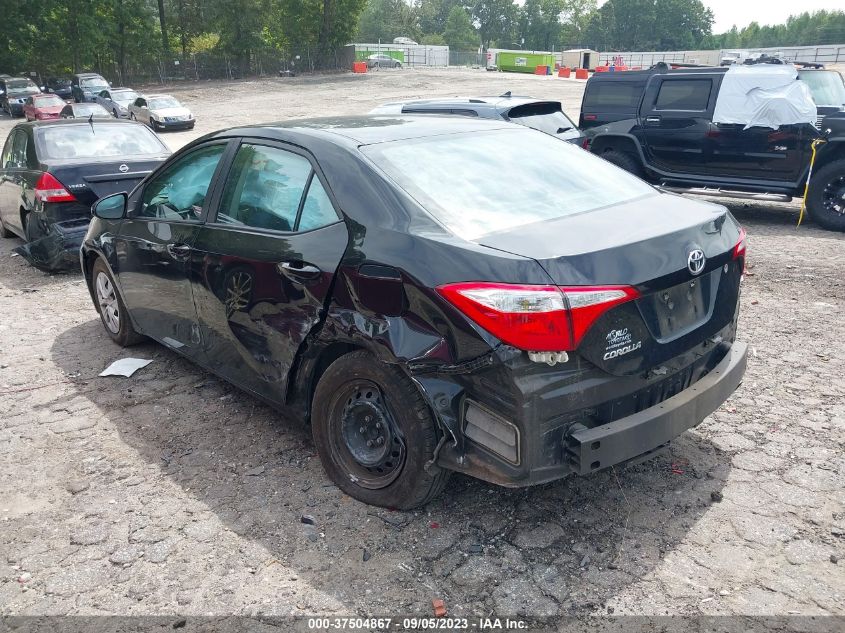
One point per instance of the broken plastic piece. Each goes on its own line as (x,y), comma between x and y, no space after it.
(125,367)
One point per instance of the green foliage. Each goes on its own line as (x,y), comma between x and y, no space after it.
(433,39)
(114,36)
(821,27)
(458,32)
(645,25)
(383,20)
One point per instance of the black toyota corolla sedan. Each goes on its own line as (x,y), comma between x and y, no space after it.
(434,294)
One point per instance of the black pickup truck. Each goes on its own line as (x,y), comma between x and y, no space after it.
(658,124)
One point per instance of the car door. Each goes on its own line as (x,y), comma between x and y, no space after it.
(141,111)
(153,246)
(265,262)
(28,109)
(104,99)
(674,123)
(14,181)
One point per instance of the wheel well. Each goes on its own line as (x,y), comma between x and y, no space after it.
(836,152)
(327,356)
(604,144)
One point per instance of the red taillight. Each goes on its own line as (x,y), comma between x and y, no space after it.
(48,189)
(590,117)
(535,318)
(585,144)
(740,246)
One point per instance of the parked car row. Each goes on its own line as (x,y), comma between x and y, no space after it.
(21,96)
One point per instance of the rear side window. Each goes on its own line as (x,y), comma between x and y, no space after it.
(274,189)
(683,94)
(616,94)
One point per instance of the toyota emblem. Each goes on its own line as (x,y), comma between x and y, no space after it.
(695,261)
(123,168)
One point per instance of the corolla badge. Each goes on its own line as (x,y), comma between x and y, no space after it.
(696,261)
(619,343)
(123,168)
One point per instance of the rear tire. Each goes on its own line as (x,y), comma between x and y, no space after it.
(375,433)
(826,197)
(623,160)
(110,305)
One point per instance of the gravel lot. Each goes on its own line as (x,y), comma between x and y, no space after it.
(171,492)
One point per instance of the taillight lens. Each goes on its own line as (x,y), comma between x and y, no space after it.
(740,251)
(48,189)
(535,318)
(740,246)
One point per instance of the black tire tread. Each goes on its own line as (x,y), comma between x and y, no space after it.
(624,160)
(426,485)
(825,219)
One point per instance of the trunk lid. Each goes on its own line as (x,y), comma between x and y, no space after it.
(88,181)
(645,243)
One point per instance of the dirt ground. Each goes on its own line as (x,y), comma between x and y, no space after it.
(172,492)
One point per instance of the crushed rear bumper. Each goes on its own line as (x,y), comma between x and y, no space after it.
(625,439)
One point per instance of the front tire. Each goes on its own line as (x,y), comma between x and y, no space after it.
(826,197)
(110,305)
(375,433)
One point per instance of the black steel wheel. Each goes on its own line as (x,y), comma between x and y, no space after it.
(364,437)
(375,433)
(826,197)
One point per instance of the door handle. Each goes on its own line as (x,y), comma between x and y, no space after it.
(652,119)
(298,271)
(179,251)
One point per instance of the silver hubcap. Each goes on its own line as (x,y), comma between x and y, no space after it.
(107,299)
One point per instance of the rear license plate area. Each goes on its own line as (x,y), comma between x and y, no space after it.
(673,312)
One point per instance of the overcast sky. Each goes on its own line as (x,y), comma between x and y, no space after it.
(743,12)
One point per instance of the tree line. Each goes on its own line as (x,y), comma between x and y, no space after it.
(618,25)
(62,36)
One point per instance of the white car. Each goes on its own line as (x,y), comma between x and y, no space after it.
(161,112)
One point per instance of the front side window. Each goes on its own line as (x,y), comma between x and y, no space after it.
(265,188)
(481,183)
(179,192)
(684,94)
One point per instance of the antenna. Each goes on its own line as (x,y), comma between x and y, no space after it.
(507,94)
(91,121)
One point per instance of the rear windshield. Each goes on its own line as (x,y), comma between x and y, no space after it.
(546,117)
(481,183)
(614,94)
(80,109)
(98,140)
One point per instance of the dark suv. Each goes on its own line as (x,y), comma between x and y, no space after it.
(14,92)
(545,116)
(86,86)
(659,125)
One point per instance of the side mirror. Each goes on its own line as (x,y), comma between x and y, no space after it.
(111,207)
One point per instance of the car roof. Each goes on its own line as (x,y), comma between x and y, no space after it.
(368,130)
(88,75)
(642,76)
(122,90)
(158,95)
(53,123)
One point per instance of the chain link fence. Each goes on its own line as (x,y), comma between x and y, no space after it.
(201,66)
